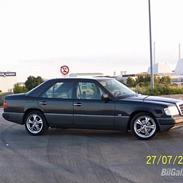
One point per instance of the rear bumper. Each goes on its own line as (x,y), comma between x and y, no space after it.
(13,117)
(172,122)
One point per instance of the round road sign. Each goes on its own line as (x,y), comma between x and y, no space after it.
(64,69)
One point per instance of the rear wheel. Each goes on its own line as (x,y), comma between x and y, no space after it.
(35,123)
(143,126)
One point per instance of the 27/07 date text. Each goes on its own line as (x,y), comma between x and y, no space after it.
(164,160)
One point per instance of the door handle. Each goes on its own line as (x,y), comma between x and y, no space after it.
(77,104)
(42,103)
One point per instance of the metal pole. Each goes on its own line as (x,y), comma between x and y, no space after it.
(179,51)
(154,56)
(150,42)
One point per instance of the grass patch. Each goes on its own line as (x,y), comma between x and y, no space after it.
(160,90)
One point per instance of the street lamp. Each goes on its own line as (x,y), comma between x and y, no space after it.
(150,43)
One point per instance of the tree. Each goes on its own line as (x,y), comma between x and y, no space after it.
(165,80)
(32,82)
(19,89)
(130,82)
(143,80)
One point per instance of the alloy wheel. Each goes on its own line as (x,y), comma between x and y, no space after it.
(145,127)
(34,123)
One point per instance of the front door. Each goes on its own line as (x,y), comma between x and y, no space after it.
(90,111)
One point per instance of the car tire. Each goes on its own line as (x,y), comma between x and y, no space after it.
(35,123)
(144,126)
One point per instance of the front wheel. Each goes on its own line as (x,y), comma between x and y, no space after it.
(35,123)
(143,126)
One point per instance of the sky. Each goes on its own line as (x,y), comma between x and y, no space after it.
(39,36)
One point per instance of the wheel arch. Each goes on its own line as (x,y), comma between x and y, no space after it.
(27,111)
(138,112)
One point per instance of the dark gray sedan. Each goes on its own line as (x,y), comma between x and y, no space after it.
(97,103)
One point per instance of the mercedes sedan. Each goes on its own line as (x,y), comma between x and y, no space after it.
(92,103)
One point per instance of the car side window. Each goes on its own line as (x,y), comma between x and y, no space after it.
(89,91)
(62,90)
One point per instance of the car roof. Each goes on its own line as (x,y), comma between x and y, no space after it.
(82,78)
(36,91)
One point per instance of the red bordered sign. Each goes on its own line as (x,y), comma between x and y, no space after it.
(64,69)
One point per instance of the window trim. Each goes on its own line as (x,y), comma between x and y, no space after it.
(52,84)
(87,81)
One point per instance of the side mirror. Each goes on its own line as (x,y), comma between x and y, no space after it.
(105,97)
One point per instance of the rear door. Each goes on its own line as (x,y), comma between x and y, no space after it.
(90,111)
(57,104)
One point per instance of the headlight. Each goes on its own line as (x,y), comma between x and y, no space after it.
(171,111)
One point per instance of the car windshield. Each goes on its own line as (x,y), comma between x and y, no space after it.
(116,88)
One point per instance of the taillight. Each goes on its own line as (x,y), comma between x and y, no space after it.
(5,104)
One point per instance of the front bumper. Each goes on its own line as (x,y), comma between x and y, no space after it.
(172,122)
(178,122)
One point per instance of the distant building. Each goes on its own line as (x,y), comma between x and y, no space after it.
(161,68)
(7,81)
(179,67)
(85,74)
(125,77)
(177,79)
(177,76)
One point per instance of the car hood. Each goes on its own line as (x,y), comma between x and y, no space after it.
(162,99)
(152,99)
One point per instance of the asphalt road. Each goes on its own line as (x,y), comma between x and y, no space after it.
(82,156)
